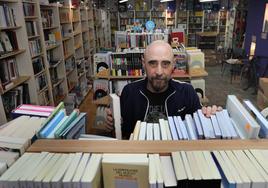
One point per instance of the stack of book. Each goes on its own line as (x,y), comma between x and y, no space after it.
(210,169)
(32,110)
(59,125)
(231,123)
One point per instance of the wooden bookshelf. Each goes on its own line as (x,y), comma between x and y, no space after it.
(9,28)
(11,54)
(16,83)
(125,146)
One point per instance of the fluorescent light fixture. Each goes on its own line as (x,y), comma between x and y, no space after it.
(203,1)
(162,1)
(122,1)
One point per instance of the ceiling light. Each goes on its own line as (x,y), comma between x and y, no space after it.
(122,1)
(162,1)
(203,1)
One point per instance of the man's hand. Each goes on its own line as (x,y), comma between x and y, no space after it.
(109,122)
(208,110)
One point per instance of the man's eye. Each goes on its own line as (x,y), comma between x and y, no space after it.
(153,63)
(165,63)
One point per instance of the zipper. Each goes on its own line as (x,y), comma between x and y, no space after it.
(147,105)
(166,101)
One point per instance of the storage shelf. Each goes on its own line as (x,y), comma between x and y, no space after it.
(39,73)
(9,28)
(8,1)
(58,82)
(11,54)
(68,55)
(42,90)
(16,83)
(37,55)
(33,37)
(51,47)
(52,27)
(69,72)
(30,17)
(55,65)
(72,85)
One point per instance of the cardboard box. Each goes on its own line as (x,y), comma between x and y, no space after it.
(262,100)
(263,86)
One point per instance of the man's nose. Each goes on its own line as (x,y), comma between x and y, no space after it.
(159,69)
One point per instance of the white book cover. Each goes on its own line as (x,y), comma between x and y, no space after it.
(256,178)
(245,122)
(177,125)
(159,171)
(8,157)
(56,180)
(3,167)
(116,114)
(152,172)
(137,130)
(183,129)
(229,124)
(38,180)
(80,170)
(243,175)
(92,177)
(3,22)
(206,125)
(156,130)
(228,179)
(13,169)
(168,171)
(215,126)
(178,166)
(46,183)
(259,118)
(202,165)
(142,134)
(211,165)
(261,157)
(186,165)
(163,129)
(189,123)
(172,128)
(232,169)
(193,165)
(149,131)
(71,171)
(169,136)
(221,122)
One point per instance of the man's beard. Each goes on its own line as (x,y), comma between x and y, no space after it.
(159,84)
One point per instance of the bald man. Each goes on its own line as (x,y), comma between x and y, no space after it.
(157,95)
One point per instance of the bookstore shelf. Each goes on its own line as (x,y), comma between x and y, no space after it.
(58,83)
(16,83)
(31,2)
(125,146)
(68,55)
(39,73)
(33,37)
(52,27)
(71,86)
(42,90)
(9,1)
(51,47)
(30,17)
(9,28)
(37,55)
(66,38)
(11,54)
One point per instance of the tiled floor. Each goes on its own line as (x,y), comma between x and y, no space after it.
(218,87)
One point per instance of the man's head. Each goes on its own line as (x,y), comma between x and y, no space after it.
(158,64)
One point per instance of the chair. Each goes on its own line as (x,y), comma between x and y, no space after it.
(234,59)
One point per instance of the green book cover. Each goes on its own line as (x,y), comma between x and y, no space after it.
(67,122)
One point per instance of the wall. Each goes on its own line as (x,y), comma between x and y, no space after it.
(254,28)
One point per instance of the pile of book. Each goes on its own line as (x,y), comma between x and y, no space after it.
(59,125)
(210,169)
(32,110)
(15,137)
(231,123)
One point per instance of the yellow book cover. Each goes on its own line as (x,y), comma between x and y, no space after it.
(125,174)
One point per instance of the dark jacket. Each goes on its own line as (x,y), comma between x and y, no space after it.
(181,100)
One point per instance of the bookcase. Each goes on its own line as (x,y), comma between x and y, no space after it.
(15,60)
(46,53)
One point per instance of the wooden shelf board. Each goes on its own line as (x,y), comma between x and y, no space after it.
(72,85)
(74,21)
(77,33)
(30,17)
(51,47)
(65,22)
(58,82)
(16,83)
(45,6)
(56,64)
(31,2)
(39,73)
(102,101)
(9,1)
(68,56)
(37,55)
(52,27)
(78,46)
(69,72)
(66,38)
(42,90)
(83,74)
(10,54)
(9,28)
(125,146)
(32,37)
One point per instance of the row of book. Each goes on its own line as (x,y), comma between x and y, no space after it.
(126,64)
(215,169)
(133,40)
(29,9)
(61,125)
(7,16)
(47,18)
(8,72)
(35,47)
(8,42)
(239,123)
(31,28)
